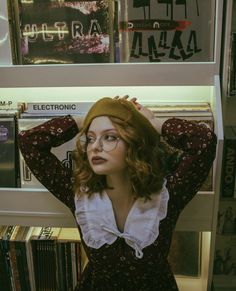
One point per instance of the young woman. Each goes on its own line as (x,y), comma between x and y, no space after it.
(124,196)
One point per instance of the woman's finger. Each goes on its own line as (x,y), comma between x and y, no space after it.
(134,99)
(124,97)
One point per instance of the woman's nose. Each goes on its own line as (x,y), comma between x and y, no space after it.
(97,145)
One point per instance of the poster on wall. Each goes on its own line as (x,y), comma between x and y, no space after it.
(166,30)
(61,32)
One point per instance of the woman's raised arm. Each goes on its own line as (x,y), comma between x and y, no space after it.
(36,144)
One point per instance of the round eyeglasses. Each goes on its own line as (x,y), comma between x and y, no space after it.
(108,142)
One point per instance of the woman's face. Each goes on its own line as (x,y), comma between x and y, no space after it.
(106,151)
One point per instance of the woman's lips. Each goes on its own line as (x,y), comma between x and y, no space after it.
(98,160)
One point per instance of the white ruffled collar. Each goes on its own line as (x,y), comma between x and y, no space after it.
(96,219)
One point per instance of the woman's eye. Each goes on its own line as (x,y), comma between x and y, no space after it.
(110,137)
(90,139)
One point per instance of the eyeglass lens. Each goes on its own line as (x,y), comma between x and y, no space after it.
(107,142)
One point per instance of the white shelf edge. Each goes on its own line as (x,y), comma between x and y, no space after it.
(41,190)
(50,211)
(172,74)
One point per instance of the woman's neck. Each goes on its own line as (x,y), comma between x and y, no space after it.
(121,187)
(121,196)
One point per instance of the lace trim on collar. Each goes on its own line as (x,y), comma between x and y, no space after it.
(96,218)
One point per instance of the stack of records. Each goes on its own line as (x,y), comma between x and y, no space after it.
(40,258)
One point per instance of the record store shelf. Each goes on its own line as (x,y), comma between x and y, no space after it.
(38,207)
(151,84)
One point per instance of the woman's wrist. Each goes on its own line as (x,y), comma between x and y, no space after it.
(157,123)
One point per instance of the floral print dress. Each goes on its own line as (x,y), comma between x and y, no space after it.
(120,264)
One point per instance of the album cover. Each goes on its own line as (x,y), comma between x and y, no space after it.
(224,268)
(166,30)
(232,66)
(61,32)
(185,253)
(227,189)
(8,155)
(225,257)
(226,222)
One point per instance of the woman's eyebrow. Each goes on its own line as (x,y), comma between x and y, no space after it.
(104,131)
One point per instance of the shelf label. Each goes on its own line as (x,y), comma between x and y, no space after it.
(59,108)
(8,105)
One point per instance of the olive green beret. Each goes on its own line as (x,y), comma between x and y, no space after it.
(126,111)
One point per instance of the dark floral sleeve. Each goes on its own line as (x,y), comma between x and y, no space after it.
(35,145)
(198,144)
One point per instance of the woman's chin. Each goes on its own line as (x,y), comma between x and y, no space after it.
(98,171)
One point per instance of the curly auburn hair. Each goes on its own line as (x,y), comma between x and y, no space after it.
(146,164)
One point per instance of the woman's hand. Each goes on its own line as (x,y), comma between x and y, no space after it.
(156,122)
(142,109)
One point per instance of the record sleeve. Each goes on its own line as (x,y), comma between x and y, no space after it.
(232,66)
(62,32)
(226,220)
(166,31)
(8,155)
(185,253)
(225,258)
